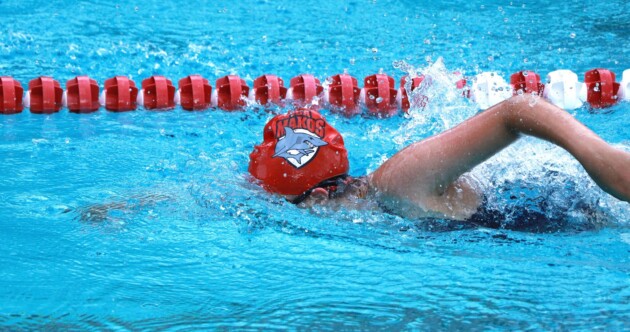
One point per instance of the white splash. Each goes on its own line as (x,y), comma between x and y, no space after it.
(435,105)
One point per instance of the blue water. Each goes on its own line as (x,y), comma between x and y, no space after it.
(196,245)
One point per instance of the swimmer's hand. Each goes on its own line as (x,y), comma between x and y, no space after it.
(100,212)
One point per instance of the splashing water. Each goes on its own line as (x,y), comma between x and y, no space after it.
(532,175)
(435,105)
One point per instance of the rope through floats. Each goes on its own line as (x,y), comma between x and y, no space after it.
(379,95)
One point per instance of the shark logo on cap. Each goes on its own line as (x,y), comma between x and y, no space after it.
(298,146)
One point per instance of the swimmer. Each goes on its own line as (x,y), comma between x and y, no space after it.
(304,159)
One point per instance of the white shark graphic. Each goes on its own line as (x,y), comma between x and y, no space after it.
(298,146)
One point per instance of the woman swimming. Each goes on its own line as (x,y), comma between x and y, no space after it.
(303,158)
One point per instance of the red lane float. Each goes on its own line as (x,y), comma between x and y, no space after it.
(120,94)
(195,93)
(81,95)
(343,94)
(157,92)
(11,92)
(404,99)
(44,95)
(526,81)
(379,95)
(269,89)
(231,93)
(304,89)
(601,88)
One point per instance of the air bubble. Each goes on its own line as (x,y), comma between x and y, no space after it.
(379,100)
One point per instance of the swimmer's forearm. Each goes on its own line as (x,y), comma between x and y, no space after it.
(607,166)
(100,212)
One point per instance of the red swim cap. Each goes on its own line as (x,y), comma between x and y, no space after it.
(299,151)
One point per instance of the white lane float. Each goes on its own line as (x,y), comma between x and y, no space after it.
(489,89)
(624,89)
(563,89)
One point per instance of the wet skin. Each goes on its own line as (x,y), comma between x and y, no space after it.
(429,178)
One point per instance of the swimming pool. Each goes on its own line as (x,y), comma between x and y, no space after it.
(207,249)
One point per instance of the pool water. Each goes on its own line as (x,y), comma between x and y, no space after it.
(190,242)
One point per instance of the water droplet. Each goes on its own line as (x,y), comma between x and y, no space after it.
(379,100)
(284,174)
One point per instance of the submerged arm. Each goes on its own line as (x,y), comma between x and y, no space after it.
(428,169)
(100,212)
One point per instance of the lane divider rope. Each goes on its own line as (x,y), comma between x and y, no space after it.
(379,95)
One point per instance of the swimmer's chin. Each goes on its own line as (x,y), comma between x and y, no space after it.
(318,197)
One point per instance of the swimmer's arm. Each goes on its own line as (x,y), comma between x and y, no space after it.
(100,211)
(430,168)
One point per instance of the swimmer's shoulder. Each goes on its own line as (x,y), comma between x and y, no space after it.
(458,202)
